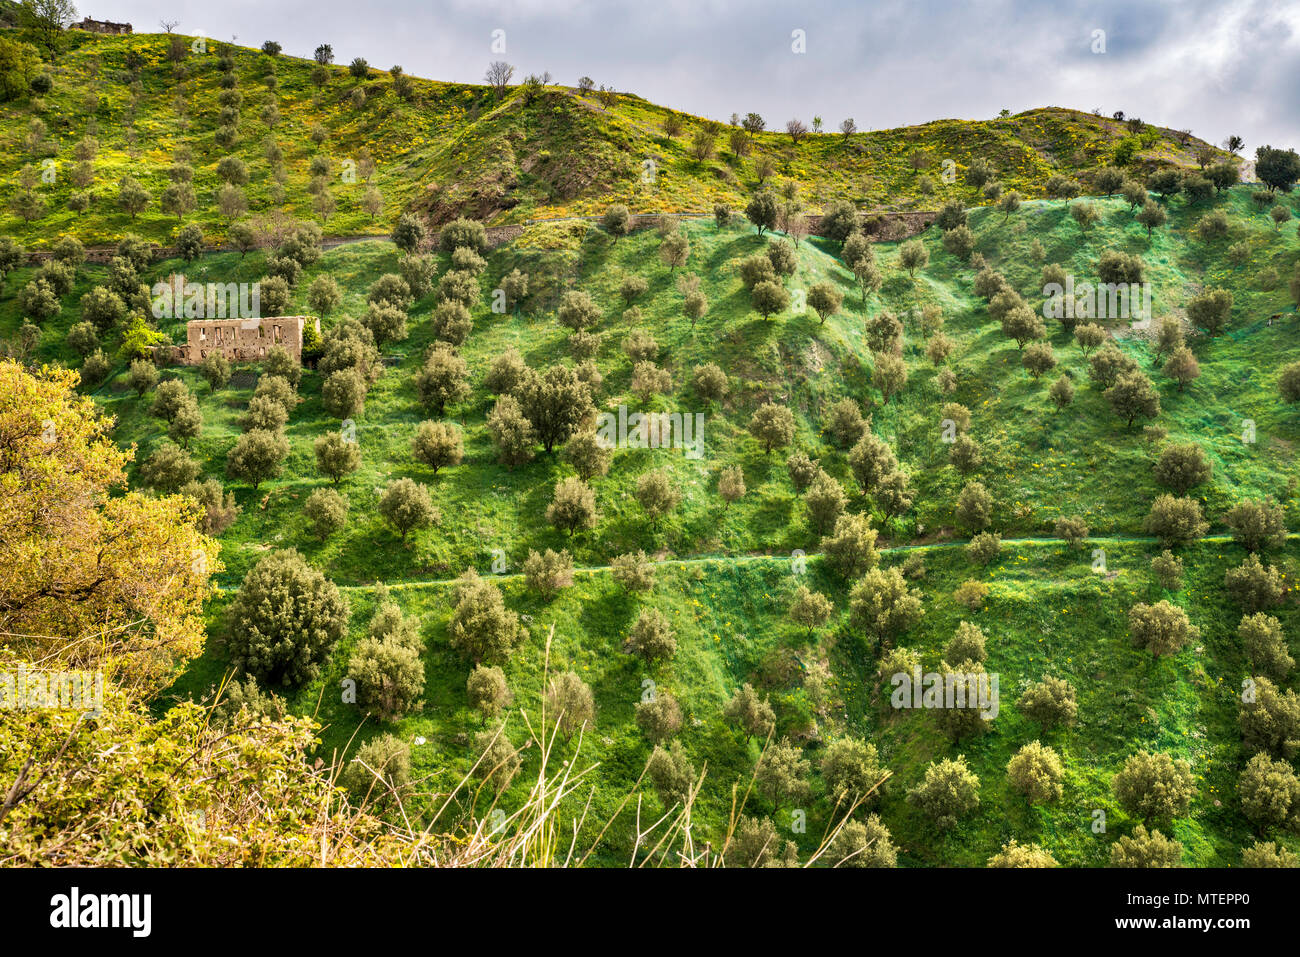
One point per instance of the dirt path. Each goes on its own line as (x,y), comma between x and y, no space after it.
(694,560)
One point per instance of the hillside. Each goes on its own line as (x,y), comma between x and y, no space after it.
(390,596)
(725,574)
(446,149)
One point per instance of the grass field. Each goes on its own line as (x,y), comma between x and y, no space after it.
(451,149)
(725,574)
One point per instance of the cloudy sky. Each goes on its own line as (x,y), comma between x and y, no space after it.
(1214,66)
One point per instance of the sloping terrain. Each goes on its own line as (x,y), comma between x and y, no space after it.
(452,149)
(725,574)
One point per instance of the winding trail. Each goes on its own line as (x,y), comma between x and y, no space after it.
(694,560)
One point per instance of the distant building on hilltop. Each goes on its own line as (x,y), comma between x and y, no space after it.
(100,26)
(244,340)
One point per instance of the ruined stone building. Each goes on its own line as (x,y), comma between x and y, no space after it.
(100,26)
(244,340)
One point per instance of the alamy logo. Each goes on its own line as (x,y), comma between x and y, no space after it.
(975,690)
(652,430)
(1107,300)
(29,690)
(178,299)
(75,910)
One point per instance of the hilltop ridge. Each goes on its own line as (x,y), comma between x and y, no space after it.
(452,149)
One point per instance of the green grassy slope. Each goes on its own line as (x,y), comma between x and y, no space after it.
(455,149)
(725,574)
(1048,460)
(1046,613)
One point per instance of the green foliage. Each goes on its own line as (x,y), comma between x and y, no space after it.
(1154,787)
(948,791)
(285,620)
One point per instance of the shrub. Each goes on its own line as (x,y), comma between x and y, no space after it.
(1265,645)
(444,378)
(344,393)
(215,370)
(1168,569)
(634,571)
(752,844)
(966,644)
(870,460)
(1175,521)
(1268,854)
(671,774)
(327,511)
(974,507)
(782,772)
(548,572)
(437,444)
(285,620)
(588,456)
(1145,849)
(1014,854)
(1036,771)
(1270,793)
(168,468)
(1269,718)
(709,382)
(487,691)
(984,548)
(407,506)
(574,506)
(657,494)
(1254,585)
(1154,787)
(95,368)
(810,609)
(1257,524)
(768,299)
(731,484)
(389,676)
(651,637)
(1162,628)
(1288,382)
(1049,702)
(1074,530)
(506,371)
(257,456)
(142,376)
(219,510)
(463,232)
(380,770)
(264,412)
(512,433)
(752,714)
(845,423)
(971,594)
(82,338)
(1210,310)
(850,549)
(336,457)
(498,760)
(659,718)
(949,791)
(409,233)
(883,606)
(1133,395)
(803,471)
(1181,468)
(570,703)
(852,772)
(481,626)
(323,295)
